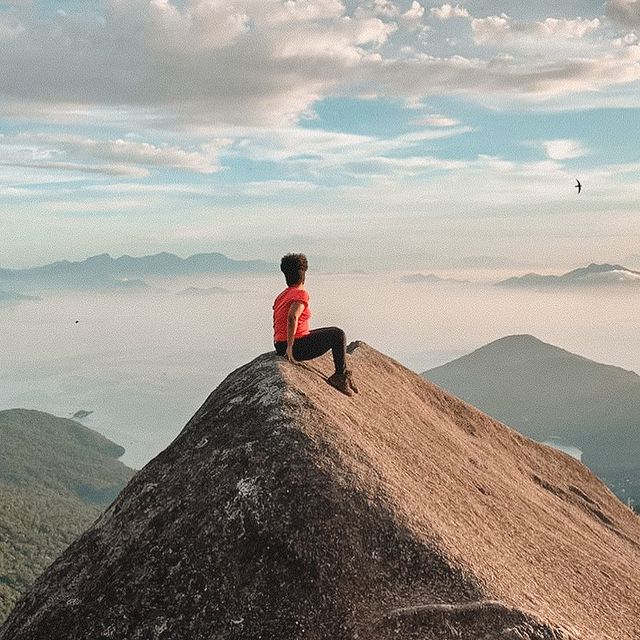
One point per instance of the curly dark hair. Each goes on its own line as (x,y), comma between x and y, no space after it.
(294,265)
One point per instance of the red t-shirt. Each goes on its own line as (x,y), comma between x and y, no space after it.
(281,310)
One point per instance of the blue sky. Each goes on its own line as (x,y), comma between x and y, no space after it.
(394,132)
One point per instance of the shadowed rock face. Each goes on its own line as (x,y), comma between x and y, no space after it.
(286,510)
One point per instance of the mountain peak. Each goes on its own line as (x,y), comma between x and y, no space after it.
(511,348)
(603,266)
(593,275)
(100,257)
(517,338)
(287,510)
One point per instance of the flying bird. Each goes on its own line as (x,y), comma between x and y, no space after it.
(578,185)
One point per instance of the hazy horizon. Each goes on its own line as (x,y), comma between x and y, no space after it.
(144,362)
(476,267)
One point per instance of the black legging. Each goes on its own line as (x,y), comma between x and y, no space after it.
(317,342)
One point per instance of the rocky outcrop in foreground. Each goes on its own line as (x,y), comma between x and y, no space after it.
(287,510)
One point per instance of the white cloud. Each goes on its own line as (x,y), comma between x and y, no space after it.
(338,148)
(563,149)
(413,16)
(181,66)
(127,152)
(111,169)
(490,29)
(293,11)
(563,28)
(312,153)
(491,183)
(115,157)
(505,76)
(308,153)
(501,29)
(201,25)
(340,43)
(448,11)
(624,12)
(258,61)
(436,120)
(412,165)
(386,8)
(627,39)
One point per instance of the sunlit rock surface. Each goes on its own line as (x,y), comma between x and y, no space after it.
(287,510)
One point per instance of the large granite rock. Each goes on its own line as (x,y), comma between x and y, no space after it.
(286,510)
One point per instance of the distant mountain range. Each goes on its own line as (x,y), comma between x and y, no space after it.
(595,275)
(420,278)
(552,395)
(103,271)
(209,291)
(56,477)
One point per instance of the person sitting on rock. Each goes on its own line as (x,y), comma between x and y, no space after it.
(292,337)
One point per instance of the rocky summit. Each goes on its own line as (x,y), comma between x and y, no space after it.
(287,510)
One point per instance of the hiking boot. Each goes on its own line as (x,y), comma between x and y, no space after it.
(340,382)
(348,373)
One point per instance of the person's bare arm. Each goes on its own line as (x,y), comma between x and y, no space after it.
(295,310)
